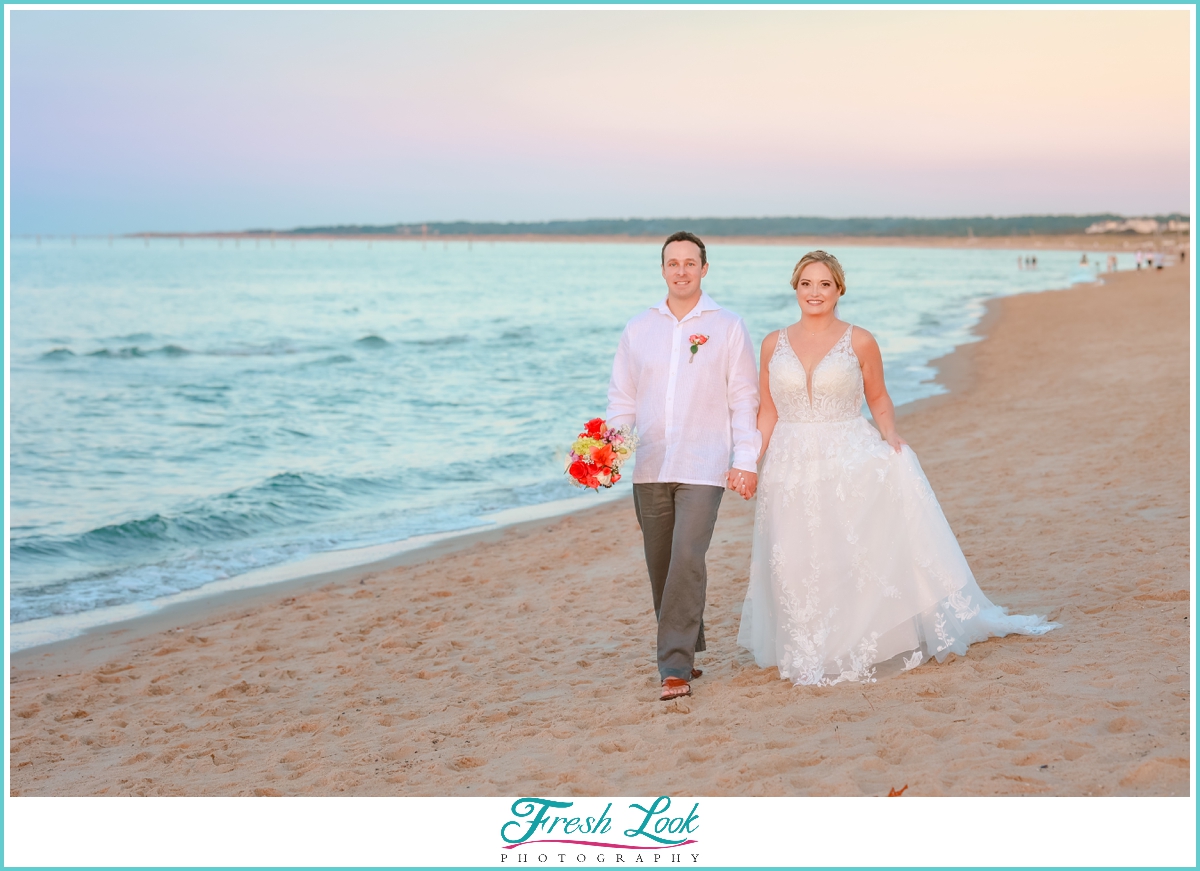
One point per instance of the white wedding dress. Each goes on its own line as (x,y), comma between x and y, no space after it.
(855,571)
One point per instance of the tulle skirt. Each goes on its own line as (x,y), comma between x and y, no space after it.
(855,572)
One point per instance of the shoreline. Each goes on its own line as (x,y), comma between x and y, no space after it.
(1031,243)
(523,664)
(241,590)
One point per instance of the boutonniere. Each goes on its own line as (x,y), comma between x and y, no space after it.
(697,340)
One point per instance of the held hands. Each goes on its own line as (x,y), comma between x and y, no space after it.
(742,482)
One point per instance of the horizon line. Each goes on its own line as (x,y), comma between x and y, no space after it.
(650,226)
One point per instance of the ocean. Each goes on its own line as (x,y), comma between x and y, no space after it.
(182,414)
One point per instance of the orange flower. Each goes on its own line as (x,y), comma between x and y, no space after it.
(603,455)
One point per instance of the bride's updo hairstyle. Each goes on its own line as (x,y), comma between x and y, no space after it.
(835,268)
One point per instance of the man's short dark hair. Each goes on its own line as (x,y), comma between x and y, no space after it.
(684,236)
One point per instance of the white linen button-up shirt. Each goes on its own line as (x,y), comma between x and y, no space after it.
(694,414)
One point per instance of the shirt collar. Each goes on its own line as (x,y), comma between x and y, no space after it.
(706,304)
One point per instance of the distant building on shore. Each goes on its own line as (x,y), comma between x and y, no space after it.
(1140,225)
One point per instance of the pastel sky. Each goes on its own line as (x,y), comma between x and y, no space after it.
(173,120)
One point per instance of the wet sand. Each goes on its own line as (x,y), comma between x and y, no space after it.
(522,663)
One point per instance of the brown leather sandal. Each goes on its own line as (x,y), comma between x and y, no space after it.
(674,688)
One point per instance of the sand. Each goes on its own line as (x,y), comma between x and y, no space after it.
(522,664)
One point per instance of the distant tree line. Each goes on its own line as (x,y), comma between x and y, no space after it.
(981,226)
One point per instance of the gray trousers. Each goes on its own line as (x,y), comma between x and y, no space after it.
(677,523)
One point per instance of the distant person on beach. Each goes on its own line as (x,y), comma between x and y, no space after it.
(684,377)
(854,570)
(1139,259)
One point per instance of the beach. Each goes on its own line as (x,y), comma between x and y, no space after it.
(521,661)
(158,450)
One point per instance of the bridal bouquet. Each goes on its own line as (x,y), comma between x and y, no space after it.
(597,455)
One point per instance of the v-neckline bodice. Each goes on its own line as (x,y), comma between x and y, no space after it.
(808,376)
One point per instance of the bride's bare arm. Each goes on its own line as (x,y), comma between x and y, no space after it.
(767,413)
(882,410)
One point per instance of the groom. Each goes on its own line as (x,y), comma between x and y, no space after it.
(684,376)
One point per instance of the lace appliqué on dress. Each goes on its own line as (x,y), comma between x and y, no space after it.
(854,563)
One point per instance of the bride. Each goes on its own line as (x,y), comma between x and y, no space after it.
(854,569)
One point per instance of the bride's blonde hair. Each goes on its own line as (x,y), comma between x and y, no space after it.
(835,268)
